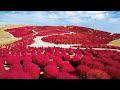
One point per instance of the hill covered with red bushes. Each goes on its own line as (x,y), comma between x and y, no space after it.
(19,61)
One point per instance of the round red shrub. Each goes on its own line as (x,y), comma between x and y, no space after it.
(116,57)
(12,60)
(2,68)
(58,60)
(86,61)
(113,72)
(16,67)
(51,71)
(109,61)
(19,75)
(70,52)
(32,69)
(41,60)
(4,74)
(76,58)
(26,59)
(2,60)
(82,70)
(66,57)
(51,56)
(94,52)
(67,67)
(65,75)
(52,63)
(97,74)
(15,75)
(87,57)
(96,65)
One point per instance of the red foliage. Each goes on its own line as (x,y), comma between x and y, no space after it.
(65,75)
(76,58)
(2,68)
(109,61)
(96,65)
(70,52)
(26,59)
(16,67)
(49,32)
(51,71)
(20,32)
(2,60)
(67,67)
(32,70)
(86,60)
(12,60)
(52,63)
(116,57)
(97,74)
(15,75)
(113,72)
(58,60)
(82,71)
(66,57)
(41,60)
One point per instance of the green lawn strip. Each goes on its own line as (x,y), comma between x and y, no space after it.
(7,38)
(115,42)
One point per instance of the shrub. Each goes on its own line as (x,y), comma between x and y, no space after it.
(51,71)
(32,70)
(65,75)
(97,74)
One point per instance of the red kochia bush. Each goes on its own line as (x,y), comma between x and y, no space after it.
(82,70)
(2,60)
(109,61)
(97,74)
(41,60)
(87,57)
(116,57)
(96,65)
(66,57)
(32,69)
(52,63)
(26,59)
(58,60)
(114,72)
(16,67)
(15,75)
(65,75)
(2,68)
(13,60)
(94,52)
(86,61)
(67,67)
(4,75)
(70,52)
(76,58)
(51,71)
(51,56)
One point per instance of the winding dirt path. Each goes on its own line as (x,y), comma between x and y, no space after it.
(40,43)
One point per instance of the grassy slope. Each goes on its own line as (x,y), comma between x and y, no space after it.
(5,37)
(115,42)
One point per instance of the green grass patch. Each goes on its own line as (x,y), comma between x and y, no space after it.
(115,42)
(7,38)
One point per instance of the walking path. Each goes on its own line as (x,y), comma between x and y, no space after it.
(41,43)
